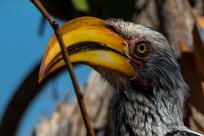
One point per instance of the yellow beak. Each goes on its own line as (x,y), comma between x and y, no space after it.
(88,41)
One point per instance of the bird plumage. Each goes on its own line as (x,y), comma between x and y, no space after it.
(159,109)
(140,65)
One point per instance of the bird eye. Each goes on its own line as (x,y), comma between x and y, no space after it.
(140,49)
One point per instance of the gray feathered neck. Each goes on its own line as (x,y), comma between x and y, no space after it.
(156,111)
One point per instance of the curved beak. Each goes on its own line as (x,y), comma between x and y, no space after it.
(88,40)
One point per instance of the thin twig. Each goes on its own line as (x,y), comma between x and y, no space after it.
(69,67)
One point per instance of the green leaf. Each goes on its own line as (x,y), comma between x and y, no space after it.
(81,5)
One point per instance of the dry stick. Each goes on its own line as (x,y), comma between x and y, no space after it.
(53,23)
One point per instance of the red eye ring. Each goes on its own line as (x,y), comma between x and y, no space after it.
(138,48)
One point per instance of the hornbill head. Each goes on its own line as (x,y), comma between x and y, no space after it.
(137,61)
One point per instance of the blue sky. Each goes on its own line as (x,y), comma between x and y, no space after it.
(20,49)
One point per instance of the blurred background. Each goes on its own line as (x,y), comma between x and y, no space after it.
(21,51)
(31,108)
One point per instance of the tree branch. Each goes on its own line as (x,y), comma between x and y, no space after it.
(69,67)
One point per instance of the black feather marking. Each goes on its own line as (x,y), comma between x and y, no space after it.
(180,133)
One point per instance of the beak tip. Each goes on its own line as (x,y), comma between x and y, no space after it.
(42,74)
(40,77)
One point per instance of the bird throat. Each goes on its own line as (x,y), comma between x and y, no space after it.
(137,115)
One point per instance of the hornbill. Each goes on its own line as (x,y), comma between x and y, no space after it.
(140,65)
